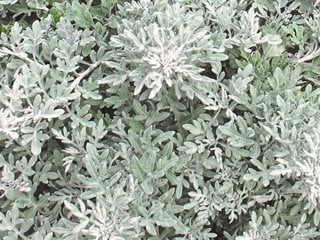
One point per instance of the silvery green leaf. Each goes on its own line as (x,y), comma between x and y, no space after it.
(163,137)
(151,228)
(74,210)
(316,218)
(147,187)
(274,50)
(272,39)
(36,145)
(195,129)
(4,2)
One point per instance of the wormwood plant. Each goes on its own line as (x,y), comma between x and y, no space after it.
(164,119)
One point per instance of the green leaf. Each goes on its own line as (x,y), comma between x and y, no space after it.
(52,113)
(36,145)
(273,51)
(5,2)
(179,226)
(80,226)
(191,147)
(134,141)
(240,142)
(166,136)
(316,218)
(56,14)
(73,209)
(14,195)
(167,149)
(150,227)
(82,15)
(193,129)
(90,166)
(147,187)
(139,109)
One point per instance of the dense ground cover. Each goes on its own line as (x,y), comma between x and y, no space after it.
(164,119)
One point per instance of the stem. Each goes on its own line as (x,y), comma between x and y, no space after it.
(21,235)
(89,3)
(83,75)
(309,57)
(19,55)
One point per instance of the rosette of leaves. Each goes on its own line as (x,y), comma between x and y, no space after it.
(161,46)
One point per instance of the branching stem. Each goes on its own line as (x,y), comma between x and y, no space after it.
(83,75)
(309,57)
(20,55)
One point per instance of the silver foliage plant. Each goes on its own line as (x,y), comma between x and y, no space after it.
(164,119)
(163,46)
